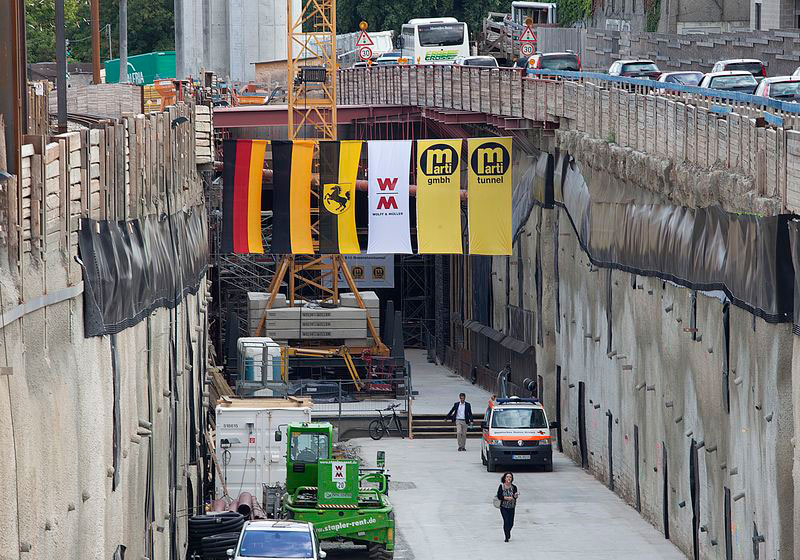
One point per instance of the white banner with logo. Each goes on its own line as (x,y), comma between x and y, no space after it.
(389,167)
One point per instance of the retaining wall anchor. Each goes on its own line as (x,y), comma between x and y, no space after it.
(713,542)
(723,466)
(759,538)
(48,526)
(640,386)
(110,472)
(85,495)
(711,449)
(597,406)
(651,387)
(768,417)
(737,381)
(668,308)
(682,504)
(70,507)
(689,433)
(627,367)
(734,471)
(703,528)
(699,338)
(621,357)
(25,547)
(710,350)
(597,339)
(612,354)
(571,385)
(166,392)
(701,444)
(668,404)
(738,496)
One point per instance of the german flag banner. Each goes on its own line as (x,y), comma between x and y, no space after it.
(241,196)
(338,168)
(291,199)
(439,196)
(489,191)
(389,167)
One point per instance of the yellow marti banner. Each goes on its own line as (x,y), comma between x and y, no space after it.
(489,191)
(439,196)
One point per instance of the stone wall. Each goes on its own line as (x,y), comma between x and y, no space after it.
(102,100)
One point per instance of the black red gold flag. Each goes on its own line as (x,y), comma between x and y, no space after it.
(338,161)
(291,207)
(241,196)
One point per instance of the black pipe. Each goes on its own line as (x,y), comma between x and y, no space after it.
(61,67)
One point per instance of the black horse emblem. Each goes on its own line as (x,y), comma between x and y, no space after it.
(334,201)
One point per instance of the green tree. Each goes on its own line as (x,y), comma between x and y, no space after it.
(151,27)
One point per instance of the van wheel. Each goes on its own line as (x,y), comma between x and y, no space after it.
(483,458)
(489,465)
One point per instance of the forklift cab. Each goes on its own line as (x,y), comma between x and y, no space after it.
(307,444)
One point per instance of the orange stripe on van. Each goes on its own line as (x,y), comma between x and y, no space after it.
(515,438)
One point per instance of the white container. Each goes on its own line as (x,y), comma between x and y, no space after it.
(249,456)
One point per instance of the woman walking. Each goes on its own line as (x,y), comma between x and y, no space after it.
(507,494)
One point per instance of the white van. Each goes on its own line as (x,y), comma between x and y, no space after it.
(516,432)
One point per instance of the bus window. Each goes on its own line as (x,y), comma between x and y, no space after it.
(441,35)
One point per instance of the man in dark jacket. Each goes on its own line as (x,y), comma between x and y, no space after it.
(461,414)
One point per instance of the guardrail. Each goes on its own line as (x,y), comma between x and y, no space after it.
(710,129)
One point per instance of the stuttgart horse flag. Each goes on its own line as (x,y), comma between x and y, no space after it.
(338,168)
(439,165)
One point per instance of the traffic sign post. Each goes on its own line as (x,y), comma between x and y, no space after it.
(527,41)
(364,42)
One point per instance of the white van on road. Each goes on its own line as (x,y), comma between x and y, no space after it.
(516,432)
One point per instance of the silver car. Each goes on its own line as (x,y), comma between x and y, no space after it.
(277,539)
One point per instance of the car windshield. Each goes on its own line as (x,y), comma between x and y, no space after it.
(688,79)
(519,418)
(639,67)
(730,82)
(569,62)
(784,89)
(441,34)
(308,447)
(752,67)
(486,62)
(276,544)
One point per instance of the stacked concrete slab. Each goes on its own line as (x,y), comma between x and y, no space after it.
(346,322)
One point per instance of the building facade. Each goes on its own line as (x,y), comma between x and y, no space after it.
(229,36)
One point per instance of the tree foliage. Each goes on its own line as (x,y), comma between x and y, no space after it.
(150,28)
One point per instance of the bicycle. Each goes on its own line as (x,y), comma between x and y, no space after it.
(383,425)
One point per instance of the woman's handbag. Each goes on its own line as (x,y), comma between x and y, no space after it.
(496,502)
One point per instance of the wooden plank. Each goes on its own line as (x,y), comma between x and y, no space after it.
(37,188)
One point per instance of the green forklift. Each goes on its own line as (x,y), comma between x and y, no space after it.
(344,501)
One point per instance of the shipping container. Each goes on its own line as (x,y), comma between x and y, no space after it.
(143,68)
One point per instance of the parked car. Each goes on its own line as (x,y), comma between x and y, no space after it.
(782,88)
(277,539)
(681,78)
(732,80)
(568,61)
(482,61)
(752,65)
(641,68)
(388,58)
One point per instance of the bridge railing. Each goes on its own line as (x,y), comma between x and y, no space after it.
(713,130)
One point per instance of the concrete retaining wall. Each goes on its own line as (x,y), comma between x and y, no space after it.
(74,482)
(652,379)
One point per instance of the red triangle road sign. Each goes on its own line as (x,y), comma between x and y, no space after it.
(364,40)
(528,35)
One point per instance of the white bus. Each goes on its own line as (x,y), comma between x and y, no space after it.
(434,40)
